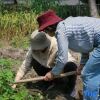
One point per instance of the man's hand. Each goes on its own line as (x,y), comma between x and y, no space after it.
(49,76)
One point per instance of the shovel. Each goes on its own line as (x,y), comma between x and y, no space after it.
(42,77)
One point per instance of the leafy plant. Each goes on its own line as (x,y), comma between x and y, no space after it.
(7,63)
(7,77)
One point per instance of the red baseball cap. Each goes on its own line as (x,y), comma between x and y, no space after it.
(48,18)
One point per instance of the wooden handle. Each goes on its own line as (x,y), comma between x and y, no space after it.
(42,77)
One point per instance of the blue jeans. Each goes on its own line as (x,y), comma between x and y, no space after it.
(91,76)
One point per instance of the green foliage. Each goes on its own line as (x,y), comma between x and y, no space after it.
(18,21)
(6,78)
(6,63)
(15,27)
(16,24)
(1,45)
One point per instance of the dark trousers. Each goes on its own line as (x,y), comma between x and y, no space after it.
(69,81)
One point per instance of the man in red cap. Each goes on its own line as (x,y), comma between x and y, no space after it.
(80,34)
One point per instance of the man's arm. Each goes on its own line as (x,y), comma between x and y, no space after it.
(62,55)
(25,67)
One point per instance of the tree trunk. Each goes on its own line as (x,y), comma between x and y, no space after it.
(93,8)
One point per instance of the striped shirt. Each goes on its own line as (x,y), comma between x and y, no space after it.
(78,34)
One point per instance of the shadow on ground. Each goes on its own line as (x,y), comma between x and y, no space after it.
(49,90)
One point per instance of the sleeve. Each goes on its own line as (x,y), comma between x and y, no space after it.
(84,58)
(62,54)
(26,65)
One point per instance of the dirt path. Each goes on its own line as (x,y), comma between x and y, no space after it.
(12,53)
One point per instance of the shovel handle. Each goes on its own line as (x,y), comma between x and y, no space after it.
(42,77)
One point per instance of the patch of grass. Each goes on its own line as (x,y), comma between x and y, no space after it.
(1,45)
(20,42)
(16,27)
(6,78)
(16,23)
(8,62)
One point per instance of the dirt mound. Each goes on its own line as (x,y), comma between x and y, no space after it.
(13,53)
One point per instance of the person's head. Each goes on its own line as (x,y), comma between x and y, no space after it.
(48,22)
(39,41)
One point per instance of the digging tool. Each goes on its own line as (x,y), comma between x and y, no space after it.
(42,77)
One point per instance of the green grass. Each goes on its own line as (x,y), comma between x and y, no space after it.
(1,45)
(16,27)
(20,42)
(8,62)
(7,77)
(16,24)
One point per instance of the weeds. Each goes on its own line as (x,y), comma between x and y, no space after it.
(20,42)
(16,24)
(6,78)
